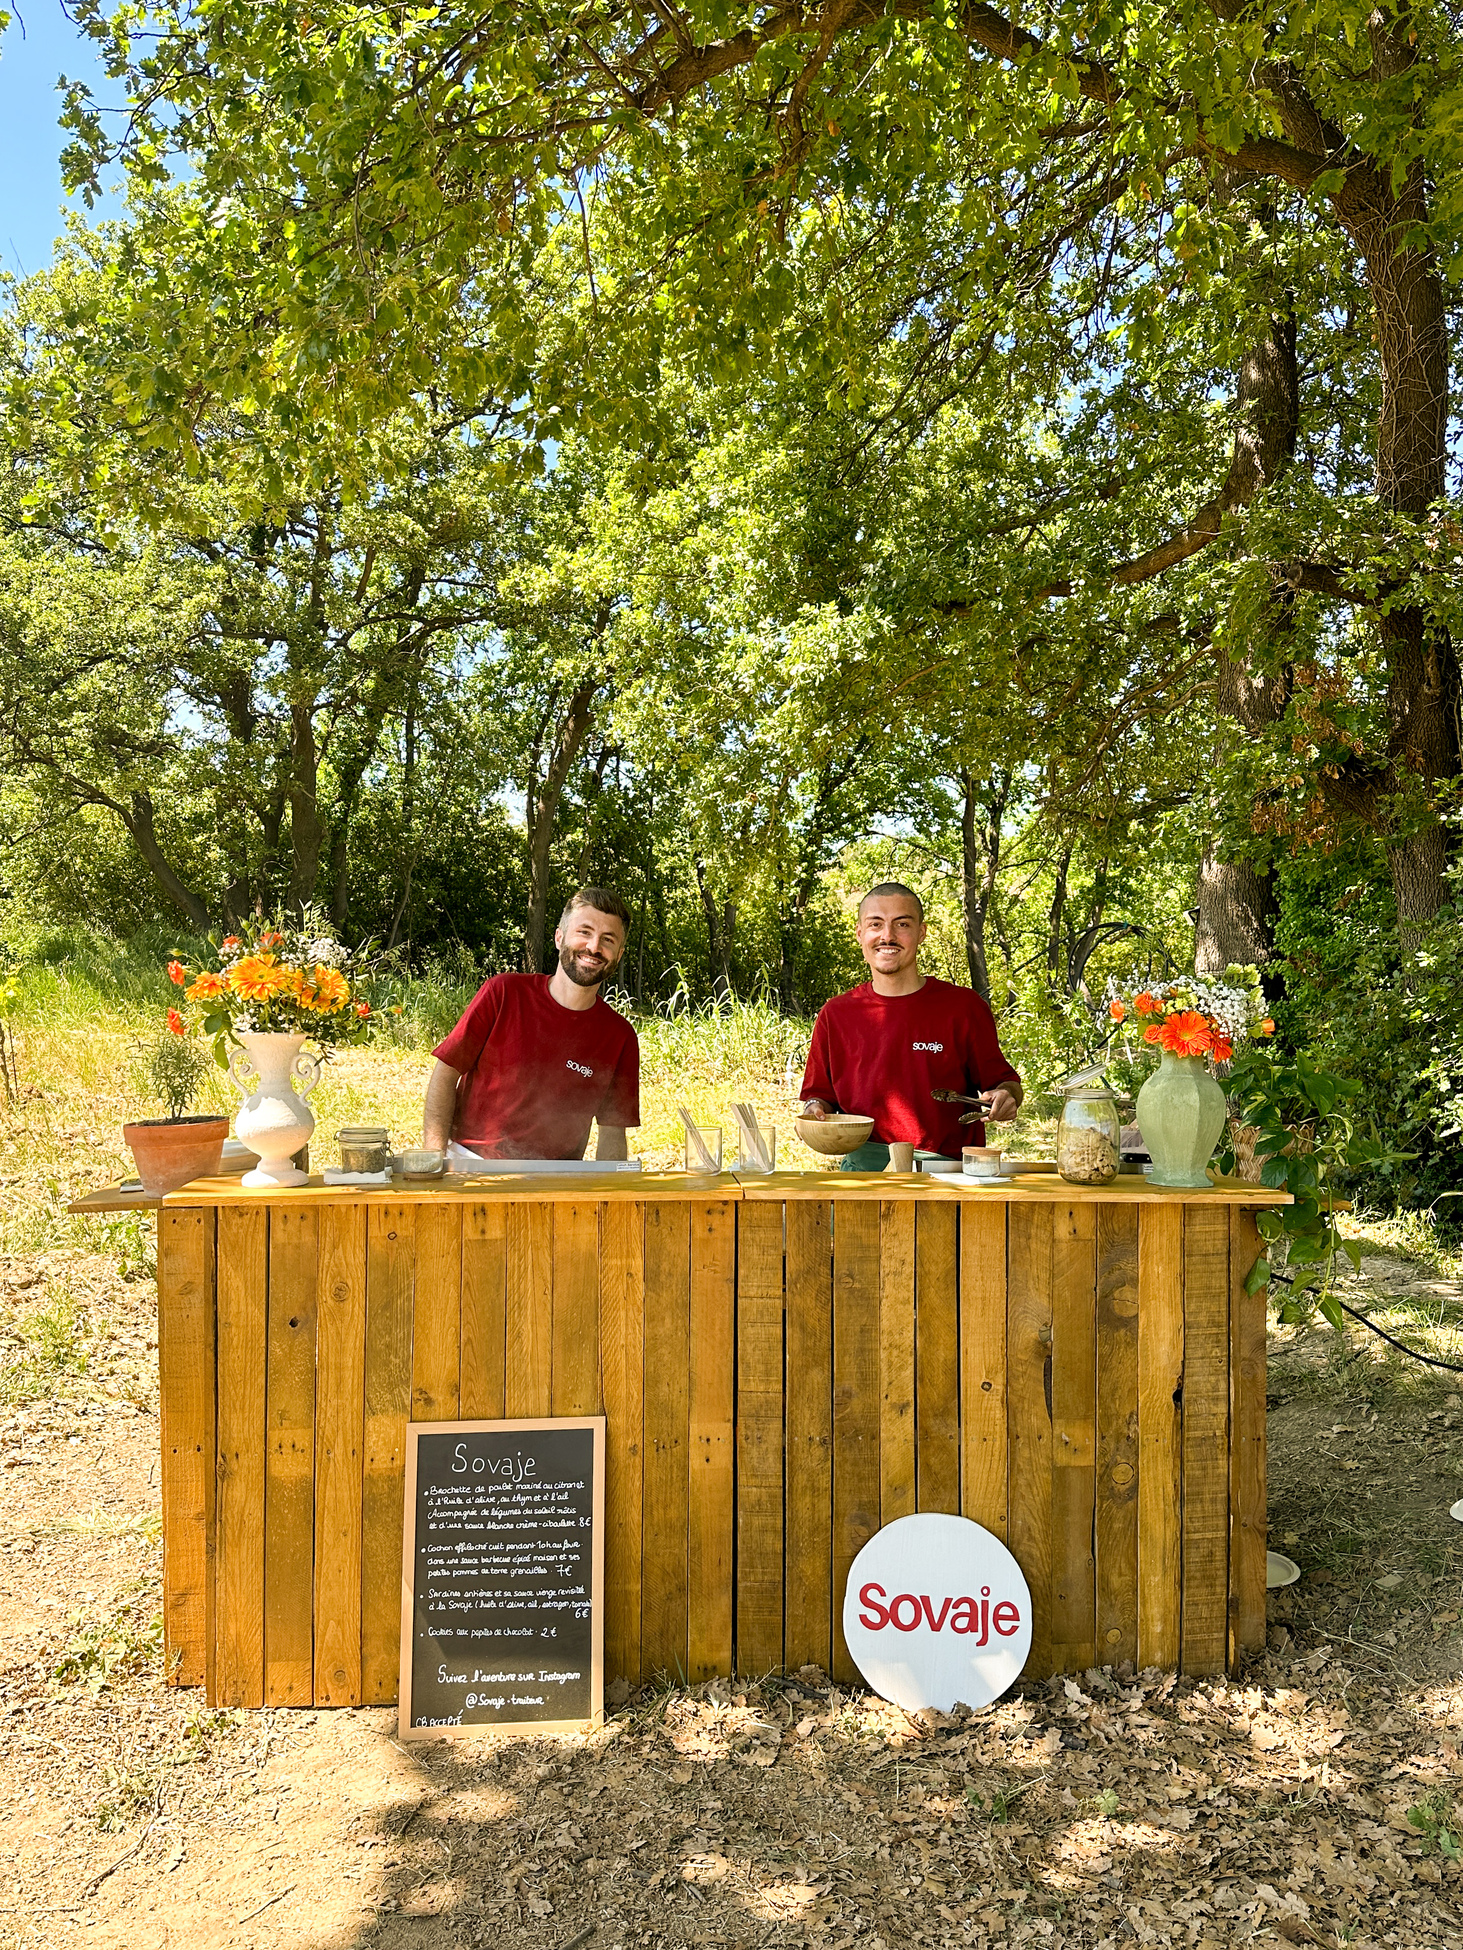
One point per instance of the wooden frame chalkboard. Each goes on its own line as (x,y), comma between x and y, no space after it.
(502,1577)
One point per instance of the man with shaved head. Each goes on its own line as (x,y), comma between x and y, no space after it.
(881,1049)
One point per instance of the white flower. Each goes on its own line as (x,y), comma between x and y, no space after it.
(330,953)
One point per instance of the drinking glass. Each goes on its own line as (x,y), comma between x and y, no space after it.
(710,1136)
(768,1134)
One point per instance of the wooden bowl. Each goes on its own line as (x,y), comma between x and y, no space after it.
(835,1136)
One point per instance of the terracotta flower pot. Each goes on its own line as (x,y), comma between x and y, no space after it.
(172,1152)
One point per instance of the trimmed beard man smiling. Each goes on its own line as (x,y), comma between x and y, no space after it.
(881,1049)
(537,1059)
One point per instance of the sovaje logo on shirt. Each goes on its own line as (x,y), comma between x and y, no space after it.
(927,1049)
(579,1069)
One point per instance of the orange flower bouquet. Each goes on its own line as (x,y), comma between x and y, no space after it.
(1199,1015)
(277,977)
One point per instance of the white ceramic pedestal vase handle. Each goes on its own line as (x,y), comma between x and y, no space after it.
(274,1120)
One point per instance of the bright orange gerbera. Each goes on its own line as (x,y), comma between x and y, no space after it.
(258,978)
(1116,1010)
(1187,1034)
(1145,1004)
(332,990)
(205,987)
(1223,1050)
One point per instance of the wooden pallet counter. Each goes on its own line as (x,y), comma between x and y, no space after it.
(784,1364)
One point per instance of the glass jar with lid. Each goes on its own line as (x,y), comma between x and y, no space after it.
(1089,1135)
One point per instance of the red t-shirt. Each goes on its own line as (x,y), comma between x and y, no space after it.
(880,1056)
(536,1075)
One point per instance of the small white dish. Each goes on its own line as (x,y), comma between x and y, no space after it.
(1457,1510)
(1279,1570)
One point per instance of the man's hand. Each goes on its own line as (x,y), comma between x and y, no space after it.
(1005,1101)
(818,1110)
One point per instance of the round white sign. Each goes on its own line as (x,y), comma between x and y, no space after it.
(936,1611)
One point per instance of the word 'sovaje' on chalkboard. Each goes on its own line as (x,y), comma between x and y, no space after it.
(502,1602)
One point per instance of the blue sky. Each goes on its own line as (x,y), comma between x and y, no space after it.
(38,47)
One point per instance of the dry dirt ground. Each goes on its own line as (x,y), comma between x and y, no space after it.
(1311,1799)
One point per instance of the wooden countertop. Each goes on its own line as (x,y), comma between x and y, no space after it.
(1041,1187)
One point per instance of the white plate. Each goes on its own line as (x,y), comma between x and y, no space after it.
(1279,1570)
(1457,1510)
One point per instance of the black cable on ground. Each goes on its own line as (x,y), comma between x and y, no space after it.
(1451,1367)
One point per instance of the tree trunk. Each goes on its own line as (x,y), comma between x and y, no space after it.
(140,820)
(543,812)
(1235,898)
(305,828)
(980,861)
(708,910)
(1423,684)
(1236,911)
(1056,916)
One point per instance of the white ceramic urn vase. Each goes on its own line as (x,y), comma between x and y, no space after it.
(274,1120)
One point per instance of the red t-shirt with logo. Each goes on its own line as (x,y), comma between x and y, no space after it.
(880,1056)
(536,1075)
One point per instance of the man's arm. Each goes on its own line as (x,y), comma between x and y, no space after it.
(441,1106)
(611,1143)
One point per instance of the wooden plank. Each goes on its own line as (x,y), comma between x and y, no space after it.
(575,1379)
(1204,1615)
(1038,1185)
(1116,1529)
(712,1448)
(289,1479)
(1160,1431)
(1029,1416)
(622,1328)
(436,1326)
(759,1438)
(856,1401)
(484,1320)
(243,1288)
(936,1359)
(1074,1435)
(186,1356)
(1248,1527)
(896,1359)
(390,1253)
(983,1367)
(340,1340)
(663,1643)
(529,1357)
(807,1604)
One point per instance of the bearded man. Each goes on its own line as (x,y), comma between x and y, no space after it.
(537,1059)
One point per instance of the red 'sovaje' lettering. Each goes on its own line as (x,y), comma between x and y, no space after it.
(906,1612)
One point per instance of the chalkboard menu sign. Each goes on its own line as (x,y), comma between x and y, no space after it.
(502,1604)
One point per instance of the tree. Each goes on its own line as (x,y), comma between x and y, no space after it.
(444,149)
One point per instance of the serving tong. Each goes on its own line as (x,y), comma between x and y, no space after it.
(982,1105)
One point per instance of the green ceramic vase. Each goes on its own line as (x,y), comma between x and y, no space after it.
(1181,1111)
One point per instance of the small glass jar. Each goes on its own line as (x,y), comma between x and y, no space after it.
(1089,1136)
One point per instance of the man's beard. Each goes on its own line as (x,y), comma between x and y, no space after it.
(568,961)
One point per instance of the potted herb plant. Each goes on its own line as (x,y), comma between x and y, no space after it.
(172,1151)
